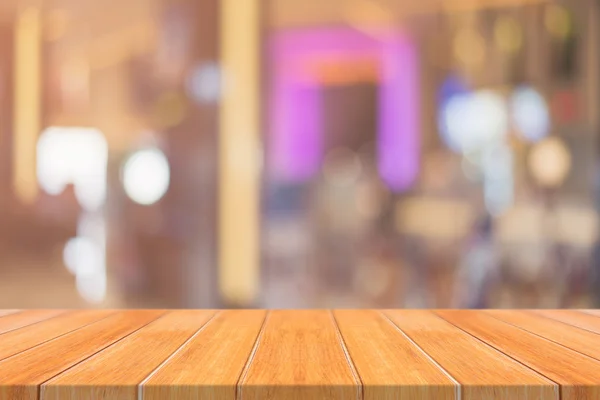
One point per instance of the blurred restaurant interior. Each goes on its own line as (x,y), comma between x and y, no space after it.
(299,153)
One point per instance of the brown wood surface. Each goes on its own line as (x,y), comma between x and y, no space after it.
(575,338)
(18,320)
(138,354)
(389,365)
(22,374)
(482,371)
(300,355)
(19,340)
(575,318)
(6,312)
(577,374)
(320,354)
(210,365)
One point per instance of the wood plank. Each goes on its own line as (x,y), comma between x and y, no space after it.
(593,312)
(580,340)
(390,366)
(300,356)
(19,340)
(482,371)
(21,375)
(577,374)
(581,320)
(18,320)
(7,312)
(136,357)
(210,364)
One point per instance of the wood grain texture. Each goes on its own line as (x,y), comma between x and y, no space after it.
(136,356)
(18,320)
(19,340)
(300,356)
(210,364)
(593,312)
(577,374)
(389,365)
(295,354)
(581,320)
(578,339)
(482,371)
(21,375)
(7,312)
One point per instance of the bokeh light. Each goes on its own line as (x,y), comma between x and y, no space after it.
(204,83)
(557,20)
(530,113)
(550,162)
(146,176)
(474,120)
(508,34)
(75,156)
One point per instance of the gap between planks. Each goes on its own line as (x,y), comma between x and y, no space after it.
(39,388)
(359,382)
(558,395)
(140,387)
(458,393)
(242,377)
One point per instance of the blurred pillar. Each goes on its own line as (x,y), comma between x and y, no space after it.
(27,104)
(239,152)
(6,87)
(594,100)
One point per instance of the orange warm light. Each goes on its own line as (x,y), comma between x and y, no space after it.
(337,72)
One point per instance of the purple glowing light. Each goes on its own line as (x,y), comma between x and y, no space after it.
(296,137)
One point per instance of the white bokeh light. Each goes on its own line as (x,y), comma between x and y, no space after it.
(146,176)
(72,155)
(92,286)
(83,256)
(204,83)
(530,114)
(473,121)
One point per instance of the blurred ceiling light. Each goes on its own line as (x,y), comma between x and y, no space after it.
(558,21)
(75,156)
(508,34)
(204,83)
(469,47)
(146,176)
(530,114)
(473,121)
(550,162)
(342,167)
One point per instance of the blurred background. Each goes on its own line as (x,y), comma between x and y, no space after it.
(299,154)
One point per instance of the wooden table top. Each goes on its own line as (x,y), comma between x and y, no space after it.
(299,354)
